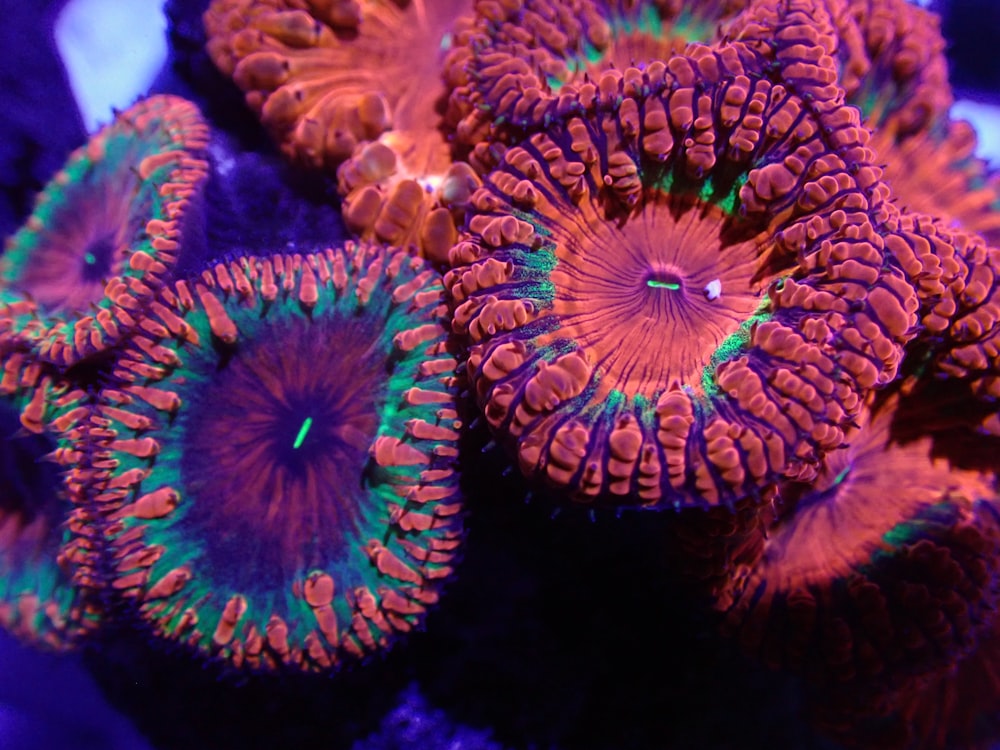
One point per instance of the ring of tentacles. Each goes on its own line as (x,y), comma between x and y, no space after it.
(104,232)
(276,472)
(677,292)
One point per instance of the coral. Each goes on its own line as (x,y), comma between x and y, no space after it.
(384,202)
(359,87)
(654,302)
(936,172)
(281,485)
(885,567)
(886,55)
(889,60)
(41,599)
(955,275)
(957,708)
(954,707)
(904,82)
(326,77)
(104,231)
(727,261)
(715,549)
(519,56)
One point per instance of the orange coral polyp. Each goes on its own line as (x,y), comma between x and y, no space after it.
(886,56)
(675,292)
(906,85)
(937,173)
(884,566)
(519,56)
(359,88)
(569,250)
(956,275)
(326,77)
(955,708)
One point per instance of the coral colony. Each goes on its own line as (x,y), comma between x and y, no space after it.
(729,261)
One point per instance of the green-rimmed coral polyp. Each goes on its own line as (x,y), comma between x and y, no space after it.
(282,485)
(105,232)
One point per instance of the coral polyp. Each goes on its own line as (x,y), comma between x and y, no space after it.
(283,489)
(955,707)
(356,87)
(647,294)
(325,81)
(901,81)
(883,568)
(886,56)
(955,274)
(515,58)
(105,230)
(937,173)
(385,202)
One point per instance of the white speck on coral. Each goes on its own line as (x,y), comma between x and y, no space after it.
(713,289)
